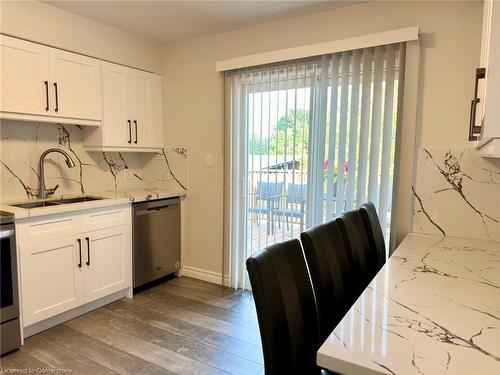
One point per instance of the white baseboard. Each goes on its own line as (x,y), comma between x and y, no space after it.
(201,274)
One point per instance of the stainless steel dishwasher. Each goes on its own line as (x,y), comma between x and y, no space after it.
(157,239)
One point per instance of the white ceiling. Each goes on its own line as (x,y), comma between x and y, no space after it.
(168,21)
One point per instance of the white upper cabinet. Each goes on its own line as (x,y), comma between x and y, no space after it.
(76,85)
(132,112)
(485,129)
(45,84)
(24,77)
(121,106)
(117,131)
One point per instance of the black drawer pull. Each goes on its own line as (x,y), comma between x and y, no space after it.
(47,94)
(474,130)
(80,252)
(135,123)
(129,132)
(88,251)
(57,99)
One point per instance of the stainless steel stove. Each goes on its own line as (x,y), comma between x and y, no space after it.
(10,330)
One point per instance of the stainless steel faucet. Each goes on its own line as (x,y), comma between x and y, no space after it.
(42,191)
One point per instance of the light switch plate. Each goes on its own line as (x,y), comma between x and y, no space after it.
(209,161)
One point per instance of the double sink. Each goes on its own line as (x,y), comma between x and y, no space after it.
(57,202)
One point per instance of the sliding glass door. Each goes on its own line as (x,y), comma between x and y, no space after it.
(308,140)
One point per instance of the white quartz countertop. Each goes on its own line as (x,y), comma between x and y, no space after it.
(434,308)
(110,198)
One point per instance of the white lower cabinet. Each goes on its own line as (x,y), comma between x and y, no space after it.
(107,261)
(65,262)
(51,280)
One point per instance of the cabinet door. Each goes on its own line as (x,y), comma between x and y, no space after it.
(146,108)
(117,119)
(76,85)
(51,279)
(156,111)
(491,108)
(107,261)
(24,77)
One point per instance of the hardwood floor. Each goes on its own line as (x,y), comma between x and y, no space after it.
(182,326)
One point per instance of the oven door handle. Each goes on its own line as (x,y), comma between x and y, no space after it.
(7,233)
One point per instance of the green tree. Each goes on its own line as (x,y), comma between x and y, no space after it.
(257,145)
(291,127)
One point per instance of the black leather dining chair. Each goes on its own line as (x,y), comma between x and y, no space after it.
(375,233)
(330,272)
(286,309)
(362,255)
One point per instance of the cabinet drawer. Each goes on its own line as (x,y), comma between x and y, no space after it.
(106,218)
(46,228)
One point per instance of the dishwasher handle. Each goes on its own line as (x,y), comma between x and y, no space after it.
(156,206)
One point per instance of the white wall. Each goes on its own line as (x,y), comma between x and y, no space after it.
(450,46)
(46,24)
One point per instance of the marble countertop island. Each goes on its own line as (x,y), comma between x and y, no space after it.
(434,308)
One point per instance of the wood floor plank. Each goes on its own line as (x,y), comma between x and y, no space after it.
(140,309)
(201,369)
(145,350)
(185,301)
(59,357)
(99,352)
(177,343)
(202,286)
(241,333)
(182,326)
(233,301)
(21,360)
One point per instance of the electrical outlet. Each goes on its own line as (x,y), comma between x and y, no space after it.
(128,173)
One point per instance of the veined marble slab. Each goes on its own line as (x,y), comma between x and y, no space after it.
(457,193)
(109,198)
(434,308)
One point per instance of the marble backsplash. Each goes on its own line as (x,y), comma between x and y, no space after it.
(457,193)
(22,144)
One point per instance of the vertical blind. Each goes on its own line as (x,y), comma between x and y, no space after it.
(305,141)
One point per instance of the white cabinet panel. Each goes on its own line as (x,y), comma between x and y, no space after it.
(116,105)
(107,262)
(106,218)
(132,112)
(24,77)
(156,112)
(491,110)
(76,85)
(141,93)
(69,259)
(52,281)
(486,130)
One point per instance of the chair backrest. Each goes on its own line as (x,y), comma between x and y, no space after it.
(269,190)
(375,233)
(286,309)
(362,256)
(331,274)
(296,193)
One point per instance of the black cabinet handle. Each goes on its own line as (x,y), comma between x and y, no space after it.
(57,99)
(88,251)
(474,130)
(129,132)
(80,252)
(47,94)
(135,124)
